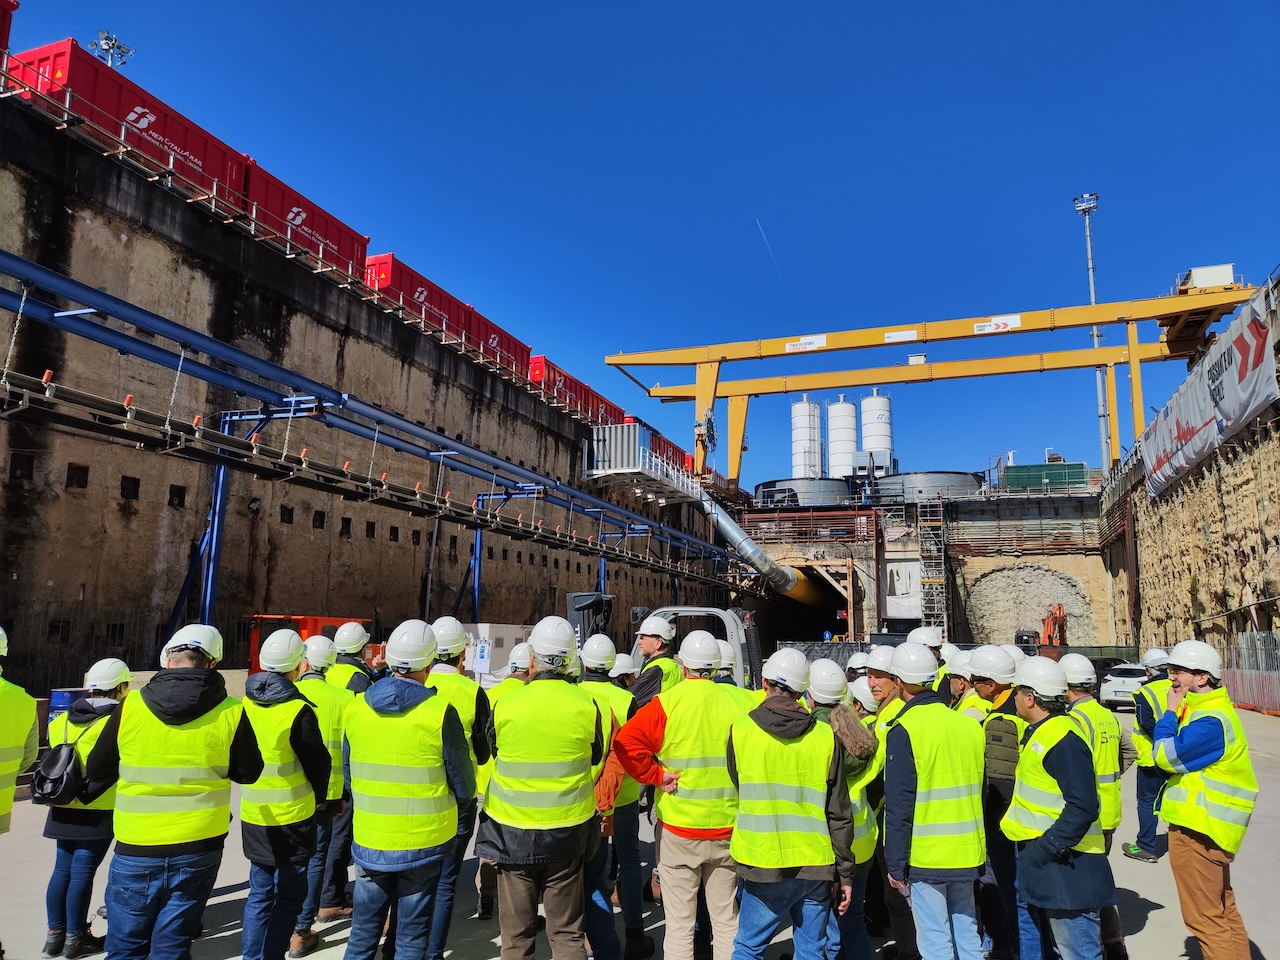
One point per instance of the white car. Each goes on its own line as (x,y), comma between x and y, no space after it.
(1119,684)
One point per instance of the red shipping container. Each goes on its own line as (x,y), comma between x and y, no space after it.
(495,343)
(609,413)
(558,384)
(115,106)
(438,308)
(284,211)
(6,19)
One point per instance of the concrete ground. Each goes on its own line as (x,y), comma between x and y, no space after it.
(1148,898)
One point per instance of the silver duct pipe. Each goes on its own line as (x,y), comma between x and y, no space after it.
(782,579)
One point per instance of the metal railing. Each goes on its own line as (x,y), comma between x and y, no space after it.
(1252,674)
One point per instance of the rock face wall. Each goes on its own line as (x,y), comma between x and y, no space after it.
(1008,598)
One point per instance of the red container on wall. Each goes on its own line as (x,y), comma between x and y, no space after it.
(6,20)
(438,308)
(608,413)
(116,107)
(558,384)
(301,222)
(491,341)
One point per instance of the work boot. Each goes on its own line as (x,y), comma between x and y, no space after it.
(302,943)
(53,943)
(328,914)
(1115,951)
(1135,852)
(484,908)
(84,945)
(639,945)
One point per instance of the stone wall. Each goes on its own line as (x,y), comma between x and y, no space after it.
(998,595)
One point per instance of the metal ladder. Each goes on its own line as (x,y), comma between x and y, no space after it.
(933,564)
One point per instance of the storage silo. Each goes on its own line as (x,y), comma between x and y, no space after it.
(806,439)
(877,424)
(842,437)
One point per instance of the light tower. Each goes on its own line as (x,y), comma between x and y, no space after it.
(1086,204)
(110,50)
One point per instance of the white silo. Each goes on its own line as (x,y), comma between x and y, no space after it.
(877,425)
(806,439)
(842,437)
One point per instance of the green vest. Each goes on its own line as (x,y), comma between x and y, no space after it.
(613,701)
(461,692)
(17,717)
(340,674)
(698,720)
(1101,731)
(971,704)
(671,671)
(541,780)
(331,703)
(399,790)
(1156,693)
(173,785)
(504,686)
(1037,799)
(1003,732)
(281,795)
(84,736)
(1218,800)
(782,797)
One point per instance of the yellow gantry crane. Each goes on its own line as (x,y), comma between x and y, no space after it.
(1184,317)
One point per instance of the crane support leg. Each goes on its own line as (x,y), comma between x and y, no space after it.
(1135,382)
(1113,441)
(705,384)
(737,438)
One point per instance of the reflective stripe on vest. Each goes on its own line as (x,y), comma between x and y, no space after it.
(613,701)
(84,736)
(1101,731)
(331,703)
(866,830)
(398,785)
(1156,694)
(485,771)
(698,720)
(281,795)
(1217,801)
(162,796)
(461,692)
(782,793)
(17,717)
(1037,799)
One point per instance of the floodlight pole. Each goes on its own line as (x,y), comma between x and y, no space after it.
(1086,204)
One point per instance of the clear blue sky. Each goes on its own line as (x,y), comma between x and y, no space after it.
(590,175)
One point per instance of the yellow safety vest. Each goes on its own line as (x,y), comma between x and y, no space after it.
(1037,799)
(698,721)
(340,674)
(542,771)
(971,704)
(1218,800)
(399,789)
(1156,693)
(615,702)
(281,795)
(84,736)
(485,771)
(331,703)
(747,700)
(668,667)
(866,830)
(942,682)
(173,785)
(17,717)
(782,797)
(461,692)
(947,827)
(1101,731)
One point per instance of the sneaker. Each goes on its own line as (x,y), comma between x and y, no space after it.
(53,943)
(302,943)
(1135,852)
(84,945)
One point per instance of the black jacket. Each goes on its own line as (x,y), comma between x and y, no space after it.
(76,823)
(363,679)
(177,697)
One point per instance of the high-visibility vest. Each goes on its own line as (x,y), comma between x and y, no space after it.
(1156,694)
(84,736)
(671,672)
(782,797)
(947,828)
(747,700)
(542,772)
(865,827)
(942,683)
(1218,800)
(1101,730)
(1037,799)
(614,702)
(461,692)
(971,704)
(1003,732)
(340,674)
(494,693)
(399,789)
(698,720)
(282,794)
(173,785)
(331,703)
(17,717)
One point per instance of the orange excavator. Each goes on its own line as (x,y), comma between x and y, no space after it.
(1052,637)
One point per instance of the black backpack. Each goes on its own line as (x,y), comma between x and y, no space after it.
(60,777)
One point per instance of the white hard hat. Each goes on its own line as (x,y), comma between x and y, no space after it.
(856,661)
(553,641)
(351,637)
(948,651)
(927,636)
(518,660)
(861,691)
(451,637)
(1014,651)
(322,653)
(1078,668)
(913,663)
(826,682)
(1155,657)
(624,664)
(659,627)
(787,668)
(4,643)
(281,651)
(728,659)
(992,662)
(958,665)
(107,674)
(574,669)
(598,652)
(881,659)
(699,651)
(411,646)
(1196,655)
(1041,675)
(196,636)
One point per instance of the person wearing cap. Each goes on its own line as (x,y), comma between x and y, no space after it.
(175,747)
(83,827)
(965,700)
(934,845)
(656,639)
(676,743)
(793,834)
(408,768)
(1150,703)
(1064,877)
(330,703)
(540,811)
(1209,799)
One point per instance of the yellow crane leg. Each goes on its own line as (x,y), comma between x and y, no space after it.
(705,384)
(737,438)
(1113,442)
(1135,382)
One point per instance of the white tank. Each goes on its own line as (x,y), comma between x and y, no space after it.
(806,440)
(842,437)
(877,424)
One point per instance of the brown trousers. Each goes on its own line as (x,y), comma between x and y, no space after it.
(560,887)
(1202,871)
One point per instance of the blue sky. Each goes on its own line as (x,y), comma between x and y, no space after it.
(590,175)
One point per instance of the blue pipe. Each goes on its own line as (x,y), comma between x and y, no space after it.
(475,577)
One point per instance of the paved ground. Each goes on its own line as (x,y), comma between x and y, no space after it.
(1148,901)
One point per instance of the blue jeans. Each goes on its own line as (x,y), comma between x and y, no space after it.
(413,893)
(275,896)
(946,919)
(315,869)
(1076,934)
(154,904)
(67,898)
(626,843)
(333,893)
(766,905)
(597,908)
(1150,780)
(847,937)
(443,909)
(1031,945)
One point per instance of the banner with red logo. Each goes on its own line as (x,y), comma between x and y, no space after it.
(1226,389)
